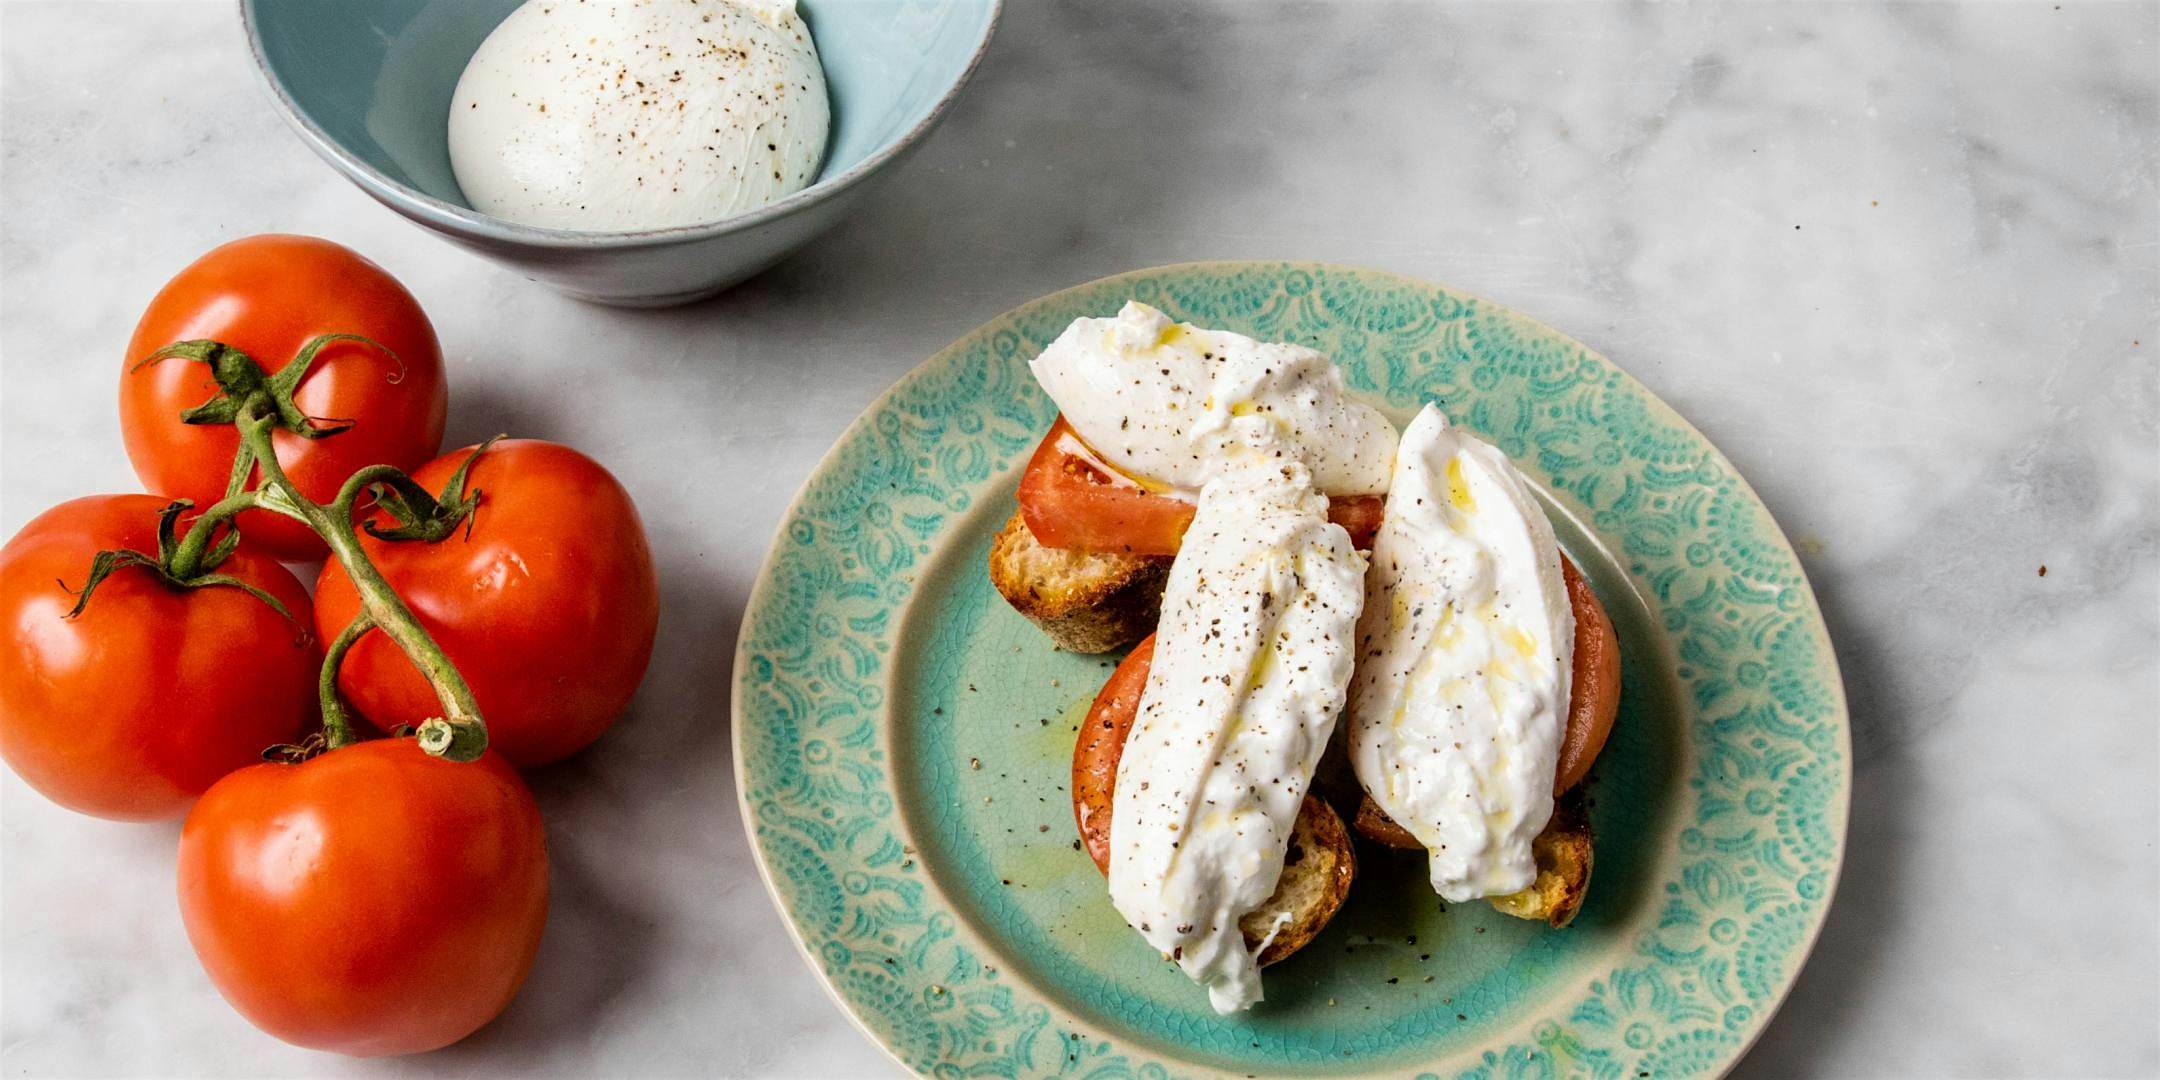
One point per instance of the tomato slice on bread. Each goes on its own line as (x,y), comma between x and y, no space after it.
(1072,498)
(1101,744)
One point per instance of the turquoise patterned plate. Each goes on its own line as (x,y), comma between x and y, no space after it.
(903,739)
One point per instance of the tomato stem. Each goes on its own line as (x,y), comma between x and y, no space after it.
(337,727)
(257,403)
(379,603)
(188,558)
(356,485)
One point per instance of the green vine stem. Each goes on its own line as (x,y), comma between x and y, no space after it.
(337,727)
(459,734)
(257,404)
(195,546)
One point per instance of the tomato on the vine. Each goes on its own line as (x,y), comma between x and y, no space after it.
(268,296)
(371,900)
(546,600)
(136,705)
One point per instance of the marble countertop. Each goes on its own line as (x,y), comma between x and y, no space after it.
(1902,264)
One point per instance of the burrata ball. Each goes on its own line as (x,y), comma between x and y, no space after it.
(621,115)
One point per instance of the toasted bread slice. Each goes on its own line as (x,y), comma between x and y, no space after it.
(1563,867)
(1316,875)
(1562,852)
(1088,602)
(1317,867)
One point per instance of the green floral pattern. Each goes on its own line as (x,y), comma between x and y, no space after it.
(1760,826)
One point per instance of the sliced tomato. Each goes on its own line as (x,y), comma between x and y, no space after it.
(1072,498)
(1359,515)
(1102,744)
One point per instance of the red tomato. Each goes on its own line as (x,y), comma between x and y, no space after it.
(136,706)
(1594,695)
(1101,744)
(1359,515)
(371,900)
(1071,498)
(268,296)
(548,606)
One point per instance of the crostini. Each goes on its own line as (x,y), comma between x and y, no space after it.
(1287,559)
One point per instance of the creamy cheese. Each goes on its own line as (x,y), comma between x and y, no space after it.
(615,115)
(1251,660)
(1461,694)
(1163,402)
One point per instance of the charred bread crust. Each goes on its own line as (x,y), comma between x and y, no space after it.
(1088,602)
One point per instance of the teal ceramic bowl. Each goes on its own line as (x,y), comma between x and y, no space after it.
(904,739)
(367,83)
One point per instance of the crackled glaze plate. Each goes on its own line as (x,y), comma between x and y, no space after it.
(903,739)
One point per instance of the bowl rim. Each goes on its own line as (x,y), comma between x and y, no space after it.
(472,224)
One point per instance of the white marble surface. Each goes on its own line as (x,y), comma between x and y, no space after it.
(1901,264)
